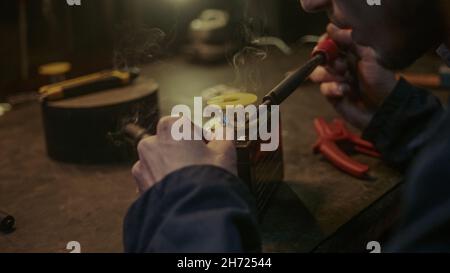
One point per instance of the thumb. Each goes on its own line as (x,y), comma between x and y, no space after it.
(225,152)
(342,37)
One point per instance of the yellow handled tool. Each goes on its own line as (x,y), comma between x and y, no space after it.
(88,84)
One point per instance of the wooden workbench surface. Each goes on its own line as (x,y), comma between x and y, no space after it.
(55,203)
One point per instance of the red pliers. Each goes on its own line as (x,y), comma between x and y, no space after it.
(330,134)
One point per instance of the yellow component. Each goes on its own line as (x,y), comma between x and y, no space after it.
(233,99)
(53,69)
(56,91)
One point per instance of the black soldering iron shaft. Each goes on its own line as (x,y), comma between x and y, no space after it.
(284,89)
(135,132)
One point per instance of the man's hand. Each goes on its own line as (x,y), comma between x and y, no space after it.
(160,155)
(356,88)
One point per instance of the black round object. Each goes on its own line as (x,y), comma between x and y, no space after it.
(86,129)
(7,223)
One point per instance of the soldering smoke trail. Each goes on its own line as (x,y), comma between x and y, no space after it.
(247,61)
(135,46)
(247,72)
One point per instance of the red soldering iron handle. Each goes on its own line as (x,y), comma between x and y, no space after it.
(328,48)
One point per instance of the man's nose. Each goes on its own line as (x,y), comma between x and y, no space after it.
(315,5)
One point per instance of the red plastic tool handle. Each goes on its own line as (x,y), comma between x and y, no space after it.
(331,152)
(328,48)
(328,135)
(369,152)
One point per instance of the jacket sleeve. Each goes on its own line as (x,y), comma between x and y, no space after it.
(404,124)
(195,209)
(425,222)
(413,130)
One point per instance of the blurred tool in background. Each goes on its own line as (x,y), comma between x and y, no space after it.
(273,41)
(63,89)
(88,84)
(5,107)
(210,36)
(7,222)
(440,80)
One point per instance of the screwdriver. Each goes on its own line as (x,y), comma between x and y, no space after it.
(325,52)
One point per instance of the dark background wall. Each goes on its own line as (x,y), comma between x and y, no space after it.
(89,35)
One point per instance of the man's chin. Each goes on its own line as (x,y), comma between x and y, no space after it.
(401,59)
(395,62)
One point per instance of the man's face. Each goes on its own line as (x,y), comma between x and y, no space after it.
(400,31)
